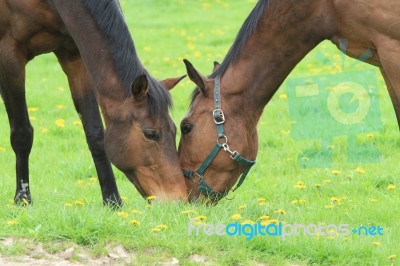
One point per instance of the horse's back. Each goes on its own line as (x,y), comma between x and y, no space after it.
(370,19)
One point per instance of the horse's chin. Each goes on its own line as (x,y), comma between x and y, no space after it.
(137,185)
(198,198)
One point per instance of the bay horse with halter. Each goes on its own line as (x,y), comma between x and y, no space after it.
(95,50)
(227,105)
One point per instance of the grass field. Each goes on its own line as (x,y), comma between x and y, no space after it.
(68,211)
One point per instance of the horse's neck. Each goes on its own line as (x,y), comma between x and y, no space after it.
(94,49)
(275,47)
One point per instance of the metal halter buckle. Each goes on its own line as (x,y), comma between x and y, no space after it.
(219,117)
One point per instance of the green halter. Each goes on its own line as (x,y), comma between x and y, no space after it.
(222,143)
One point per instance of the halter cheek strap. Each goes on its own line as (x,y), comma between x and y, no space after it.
(222,143)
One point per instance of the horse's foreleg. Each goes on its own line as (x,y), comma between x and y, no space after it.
(12,83)
(86,105)
(393,95)
(390,58)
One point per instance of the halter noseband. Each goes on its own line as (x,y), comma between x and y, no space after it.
(222,143)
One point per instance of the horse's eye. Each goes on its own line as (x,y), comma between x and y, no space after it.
(152,135)
(186,128)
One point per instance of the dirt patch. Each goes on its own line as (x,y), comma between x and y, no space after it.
(34,254)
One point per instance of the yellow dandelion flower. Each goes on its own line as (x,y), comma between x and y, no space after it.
(134,222)
(336,172)
(370,135)
(359,170)
(32,118)
(300,185)
(79,202)
(392,257)
(60,106)
(197,54)
(32,109)
(134,211)
(156,230)
(273,221)
(162,226)
(336,200)
(77,123)
(261,199)
(241,207)
(264,217)
(199,223)
(376,243)
(205,5)
(285,132)
(150,198)
(25,201)
(247,221)
(391,187)
(12,222)
(2,149)
(283,96)
(236,216)
(189,212)
(147,49)
(302,201)
(60,123)
(299,202)
(280,211)
(68,204)
(123,214)
(200,218)
(124,198)
(93,179)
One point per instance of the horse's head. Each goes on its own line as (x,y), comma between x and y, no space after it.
(140,140)
(216,142)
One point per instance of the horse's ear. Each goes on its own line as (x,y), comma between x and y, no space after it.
(196,77)
(140,87)
(172,82)
(216,66)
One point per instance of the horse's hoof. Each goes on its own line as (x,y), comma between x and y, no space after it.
(113,203)
(23,199)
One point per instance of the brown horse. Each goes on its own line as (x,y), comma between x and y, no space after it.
(96,52)
(273,39)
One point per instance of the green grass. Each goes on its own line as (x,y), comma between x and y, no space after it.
(165,32)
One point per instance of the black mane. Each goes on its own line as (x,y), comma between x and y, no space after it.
(110,21)
(245,31)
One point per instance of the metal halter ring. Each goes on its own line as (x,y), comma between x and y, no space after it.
(222,137)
